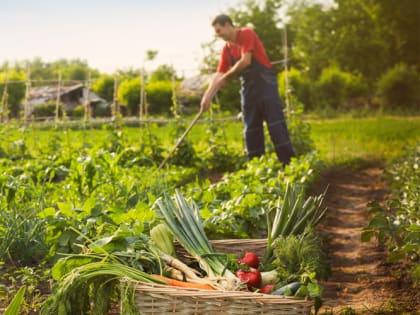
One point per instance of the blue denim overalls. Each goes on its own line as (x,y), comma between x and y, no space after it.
(261,102)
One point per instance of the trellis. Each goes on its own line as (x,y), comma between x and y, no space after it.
(115,106)
(4,99)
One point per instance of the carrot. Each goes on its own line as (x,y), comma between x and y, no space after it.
(182,284)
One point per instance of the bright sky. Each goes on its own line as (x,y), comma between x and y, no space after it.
(109,34)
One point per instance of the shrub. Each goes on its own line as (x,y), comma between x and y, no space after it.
(15,91)
(229,97)
(104,87)
(331,88)
(78,111)
(399,86)
(159,96)
(336,88)
(46,110)
(299,86)
(101,110)
(129,95)
(299,129)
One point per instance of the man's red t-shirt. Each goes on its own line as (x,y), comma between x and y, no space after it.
(246,40)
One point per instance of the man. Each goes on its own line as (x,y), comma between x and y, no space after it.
(244,55)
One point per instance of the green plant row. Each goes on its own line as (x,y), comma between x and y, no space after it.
(66,192)
(397,224)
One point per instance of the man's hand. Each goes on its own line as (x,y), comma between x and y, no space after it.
(205,103)
(216,84)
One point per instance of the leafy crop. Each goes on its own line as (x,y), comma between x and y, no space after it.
(397,224)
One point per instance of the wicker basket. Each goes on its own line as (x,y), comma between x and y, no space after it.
(154,299)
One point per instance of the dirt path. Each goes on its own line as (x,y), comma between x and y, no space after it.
(361,278)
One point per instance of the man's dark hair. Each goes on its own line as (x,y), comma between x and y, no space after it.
(222,19)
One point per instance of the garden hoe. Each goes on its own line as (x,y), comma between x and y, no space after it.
(181,138)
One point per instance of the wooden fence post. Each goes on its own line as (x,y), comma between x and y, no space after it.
(57,101)
(115,106)
(26,109)
(88,108)
(141,103)
(286,70)
(4,99)
(174,100)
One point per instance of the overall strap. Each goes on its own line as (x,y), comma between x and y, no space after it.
(231,58)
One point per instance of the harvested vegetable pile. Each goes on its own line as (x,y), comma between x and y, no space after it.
(290,222)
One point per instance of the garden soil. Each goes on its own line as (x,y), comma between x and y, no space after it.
(361,278)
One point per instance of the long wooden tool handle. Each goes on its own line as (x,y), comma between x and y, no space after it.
(197,117)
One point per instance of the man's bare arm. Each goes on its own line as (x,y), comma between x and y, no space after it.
(219,79)
(242,63)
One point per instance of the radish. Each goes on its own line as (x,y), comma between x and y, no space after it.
(250,259)
(251,277)
(267,289)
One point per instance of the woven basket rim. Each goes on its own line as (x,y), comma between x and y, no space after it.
(242,241)
(210,294)
(170,299)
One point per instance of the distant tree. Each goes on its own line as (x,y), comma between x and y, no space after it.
(211,57)
(163,73)
(300,86)
(40,70)
(399,87)
(75,69)
(15,91)
(360,36)
(263,17)
(71,69)
(129,94)
(309,30)
(400,25)
(358,43)
(130,73)
(159,96)
(151,55)
(76,72)
(104,87)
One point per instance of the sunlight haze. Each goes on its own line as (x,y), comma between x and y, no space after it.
(108,34)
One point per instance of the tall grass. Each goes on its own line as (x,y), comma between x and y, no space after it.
(339,140)
(360,140)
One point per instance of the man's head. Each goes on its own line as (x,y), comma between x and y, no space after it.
(223,26)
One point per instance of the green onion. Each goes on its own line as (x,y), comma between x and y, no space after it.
(292,215)
(185,223)
(78,278)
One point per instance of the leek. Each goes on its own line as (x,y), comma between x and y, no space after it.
(78,278)
(185,223)
(161,237)
(292,215)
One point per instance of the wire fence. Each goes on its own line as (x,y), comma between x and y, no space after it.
(41,91)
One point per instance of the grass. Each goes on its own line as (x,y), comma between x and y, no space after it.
(342,140)
(357,140)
